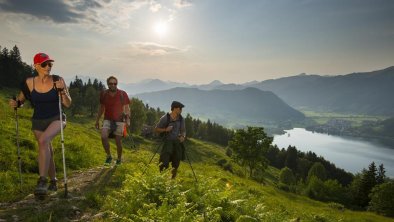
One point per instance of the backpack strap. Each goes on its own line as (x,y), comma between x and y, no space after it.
(55,78)
(169,120)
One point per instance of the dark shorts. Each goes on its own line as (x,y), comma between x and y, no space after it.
(42,124)
(171,152)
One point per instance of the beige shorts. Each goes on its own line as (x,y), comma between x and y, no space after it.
(119,127)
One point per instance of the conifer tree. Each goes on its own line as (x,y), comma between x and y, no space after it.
(291,158)
(381,176)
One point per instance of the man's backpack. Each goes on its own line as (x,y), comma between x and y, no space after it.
(168,121)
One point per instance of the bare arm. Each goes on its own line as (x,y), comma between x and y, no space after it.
(126,111)
(66,98)
(99,114)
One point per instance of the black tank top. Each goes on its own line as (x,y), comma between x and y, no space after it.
(46,105)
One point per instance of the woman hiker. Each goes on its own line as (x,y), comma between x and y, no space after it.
(42,90)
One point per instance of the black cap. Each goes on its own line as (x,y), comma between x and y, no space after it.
(176,104)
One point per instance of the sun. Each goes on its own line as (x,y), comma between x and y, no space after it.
(161,28)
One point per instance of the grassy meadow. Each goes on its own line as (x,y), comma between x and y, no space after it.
(124,193)
(356,120)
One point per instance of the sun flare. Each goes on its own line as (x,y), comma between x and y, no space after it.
(161,28)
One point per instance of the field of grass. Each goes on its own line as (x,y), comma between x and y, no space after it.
(356,120)
(124,193)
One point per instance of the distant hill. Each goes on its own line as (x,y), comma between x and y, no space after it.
(358,93)
(223,106)
(209,86)
(149,85)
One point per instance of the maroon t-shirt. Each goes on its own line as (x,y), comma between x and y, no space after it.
(114,104)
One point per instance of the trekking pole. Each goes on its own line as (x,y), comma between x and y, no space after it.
(17,144)
(62,141)
(131,138)
(158,147)
(187,157)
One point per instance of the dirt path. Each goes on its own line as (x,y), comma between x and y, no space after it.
(80,182)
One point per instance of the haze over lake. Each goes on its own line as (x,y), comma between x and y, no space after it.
(349,153)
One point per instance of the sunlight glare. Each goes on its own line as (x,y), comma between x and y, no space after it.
(161,28)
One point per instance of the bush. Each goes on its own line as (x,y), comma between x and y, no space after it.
(228,167)
(286,176)
(222,162)
(382,199)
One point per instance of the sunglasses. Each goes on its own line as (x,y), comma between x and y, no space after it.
(112,84)
(45,64)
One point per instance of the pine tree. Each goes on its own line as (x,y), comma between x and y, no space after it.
(365,185)
(291,158)
(381,177)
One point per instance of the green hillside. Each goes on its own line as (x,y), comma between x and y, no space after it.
(124,193)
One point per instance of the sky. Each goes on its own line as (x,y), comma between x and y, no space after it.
(198,41)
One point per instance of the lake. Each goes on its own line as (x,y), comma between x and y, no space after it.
(348,153)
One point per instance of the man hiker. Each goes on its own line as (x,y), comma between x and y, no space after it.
(114,103)
(172,126)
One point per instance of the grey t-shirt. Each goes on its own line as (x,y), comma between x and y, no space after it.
(177,128)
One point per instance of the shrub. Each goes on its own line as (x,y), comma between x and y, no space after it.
(286,176)
(382,199)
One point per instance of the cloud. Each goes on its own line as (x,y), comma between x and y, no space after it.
(103,16)
(151,49)
(75,11)
(57,11)
(182,3)
(154,6)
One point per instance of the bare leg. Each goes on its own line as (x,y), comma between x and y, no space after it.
(44,148)
(52,168)
(104,141)
(119,146)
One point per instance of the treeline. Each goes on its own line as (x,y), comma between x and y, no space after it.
(310,175)
(313,176)
(12,70)
(85,96)
(301,162)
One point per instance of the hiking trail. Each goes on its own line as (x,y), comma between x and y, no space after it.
(76,203)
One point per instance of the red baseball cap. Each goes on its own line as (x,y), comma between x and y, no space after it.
(42,57)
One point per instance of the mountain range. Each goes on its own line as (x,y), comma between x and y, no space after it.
(366,93)
(249,106)
(357,93)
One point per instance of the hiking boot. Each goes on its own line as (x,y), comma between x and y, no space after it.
(52,185)
(41,188)
(118,162)
(108,161)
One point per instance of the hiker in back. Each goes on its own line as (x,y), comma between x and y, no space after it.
(114,103)
(43,92)
(172,126)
